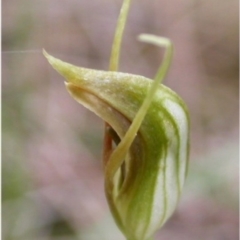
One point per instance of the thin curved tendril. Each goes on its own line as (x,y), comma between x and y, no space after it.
(161,42)
(118,155)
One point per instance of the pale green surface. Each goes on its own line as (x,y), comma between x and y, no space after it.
(116,98)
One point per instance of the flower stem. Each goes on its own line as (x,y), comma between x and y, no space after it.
(115,54)
(113,66)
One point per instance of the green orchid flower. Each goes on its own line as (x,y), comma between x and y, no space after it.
(146,143)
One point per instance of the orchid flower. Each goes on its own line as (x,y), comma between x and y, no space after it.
(146,144)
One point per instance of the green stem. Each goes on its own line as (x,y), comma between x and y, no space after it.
(113,66)
(115,54)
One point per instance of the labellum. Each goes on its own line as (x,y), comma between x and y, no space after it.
(146,136)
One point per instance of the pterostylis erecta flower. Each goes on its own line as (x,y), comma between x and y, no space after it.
(146,140)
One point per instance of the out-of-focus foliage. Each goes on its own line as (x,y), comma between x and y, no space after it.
(52,174)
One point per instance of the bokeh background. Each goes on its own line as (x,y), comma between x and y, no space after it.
(52,171)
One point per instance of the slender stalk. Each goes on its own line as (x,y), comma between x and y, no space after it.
(113,66)
(115,54)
